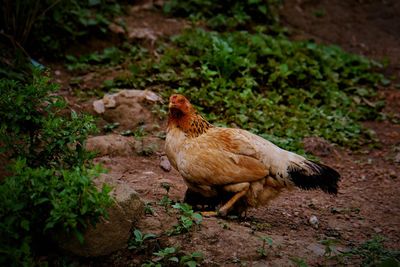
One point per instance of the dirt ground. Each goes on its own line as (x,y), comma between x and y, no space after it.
(368,202)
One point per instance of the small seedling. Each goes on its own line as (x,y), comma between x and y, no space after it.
(262,251)
(329,246)
(148,209)
(187,220)
(299,262)
(111,126)
(137,242)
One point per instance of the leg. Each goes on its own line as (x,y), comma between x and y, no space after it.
(241,189)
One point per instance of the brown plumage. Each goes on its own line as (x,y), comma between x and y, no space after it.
(234,166)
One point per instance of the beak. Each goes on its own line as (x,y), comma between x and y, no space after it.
(171,105)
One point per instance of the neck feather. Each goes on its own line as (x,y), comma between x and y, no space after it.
(192,125)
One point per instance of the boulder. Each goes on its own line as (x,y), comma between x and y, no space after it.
(112,145)
(112,234)
(129,108)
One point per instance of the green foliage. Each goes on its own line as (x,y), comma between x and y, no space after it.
(71,20)
(49,189)
(138,239)
(187,220)
(280,89)
(374,253)
(265,240)
(51,25)
(171,256)
(299,262)
(110,55)
(32,127)
(226,14)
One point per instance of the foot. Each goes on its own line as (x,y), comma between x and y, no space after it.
(209,213)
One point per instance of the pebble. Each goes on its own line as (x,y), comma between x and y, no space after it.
(377,230)
(314,221)
(392,174)
(397,158)
(165,164)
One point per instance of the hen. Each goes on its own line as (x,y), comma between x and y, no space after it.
(233,165)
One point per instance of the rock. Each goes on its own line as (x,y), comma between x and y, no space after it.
(112,144)
(392,174)
(314,221)
(110,234)
(129,108)
(317,249)
(98,106)
(397,158)
(165,164)
(115,28)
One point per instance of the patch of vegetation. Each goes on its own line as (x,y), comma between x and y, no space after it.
(172,256)
(262,250)
(227,14)
(72,20)
(49,188)
(374,253)
(187,220)
(280,89)
(138,239)
(299,262)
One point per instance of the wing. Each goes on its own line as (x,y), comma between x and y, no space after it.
(219,157)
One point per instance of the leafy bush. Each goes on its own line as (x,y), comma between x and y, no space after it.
(50,188)
(283,90)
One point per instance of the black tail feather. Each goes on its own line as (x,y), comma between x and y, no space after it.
(321,177)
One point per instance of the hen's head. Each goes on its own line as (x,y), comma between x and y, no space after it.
(179,106)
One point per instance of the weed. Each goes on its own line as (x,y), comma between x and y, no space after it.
(148,209)
(110,56)
(171,256)
(110,126)
(138,239)
(262,250)
(282,90)
(299,262)
(329,247)
(187,220)
(374,253)
(226,14)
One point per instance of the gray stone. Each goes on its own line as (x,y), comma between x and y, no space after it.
(165,164)
(113,233)
(314,221)
(112,144)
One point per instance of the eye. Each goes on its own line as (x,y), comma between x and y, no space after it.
(181,101)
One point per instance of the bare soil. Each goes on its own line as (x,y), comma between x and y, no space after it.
(368,202)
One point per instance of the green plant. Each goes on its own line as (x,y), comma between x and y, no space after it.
(148,209)
(280,89)
(110,56)
(329,246)
(49,189)
(171,256)
(374,253)
(187,220)
(265,240)
(299,262)
(138,239)
(226,14)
